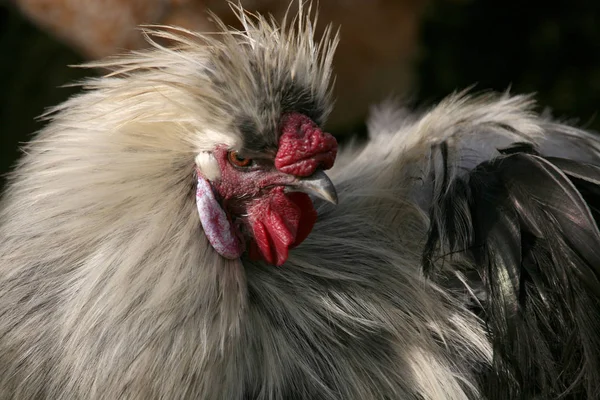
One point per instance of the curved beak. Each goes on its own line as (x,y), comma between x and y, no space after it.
(318,184)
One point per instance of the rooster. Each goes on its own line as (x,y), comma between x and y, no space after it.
(172,234)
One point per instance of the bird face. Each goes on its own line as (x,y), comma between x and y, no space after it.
(260,202)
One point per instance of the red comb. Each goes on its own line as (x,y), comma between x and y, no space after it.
(303,146)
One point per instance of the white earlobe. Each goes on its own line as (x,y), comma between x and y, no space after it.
(215,223)
(209,166)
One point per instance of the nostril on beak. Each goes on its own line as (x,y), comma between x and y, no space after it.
(318,184)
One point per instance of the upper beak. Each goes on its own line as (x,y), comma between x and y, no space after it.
(317,184)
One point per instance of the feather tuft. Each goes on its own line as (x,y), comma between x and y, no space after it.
(526,224)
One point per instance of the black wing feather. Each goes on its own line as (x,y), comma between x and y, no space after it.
(528,227)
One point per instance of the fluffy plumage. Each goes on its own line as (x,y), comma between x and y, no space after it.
(526,226)
(109,288)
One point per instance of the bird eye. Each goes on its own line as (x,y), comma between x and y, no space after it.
(238,161)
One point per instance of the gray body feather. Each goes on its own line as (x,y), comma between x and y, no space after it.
(108,288)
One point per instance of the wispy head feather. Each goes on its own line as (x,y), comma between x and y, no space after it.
(243,79)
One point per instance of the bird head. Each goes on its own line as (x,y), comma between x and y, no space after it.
(249,106)
(253,192)
(259,200)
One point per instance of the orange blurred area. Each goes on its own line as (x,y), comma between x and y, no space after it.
(378,38)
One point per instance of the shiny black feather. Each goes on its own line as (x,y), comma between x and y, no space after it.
(523,230)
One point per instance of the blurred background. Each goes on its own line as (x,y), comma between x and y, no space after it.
(418,50)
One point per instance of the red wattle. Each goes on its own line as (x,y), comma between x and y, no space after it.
(308,216)
(279,223)
(303,146)
(282,221)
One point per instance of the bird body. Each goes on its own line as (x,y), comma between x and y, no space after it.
(141,233)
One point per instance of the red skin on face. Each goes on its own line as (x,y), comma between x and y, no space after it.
(278,221)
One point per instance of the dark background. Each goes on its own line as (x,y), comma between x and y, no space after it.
(549,48)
